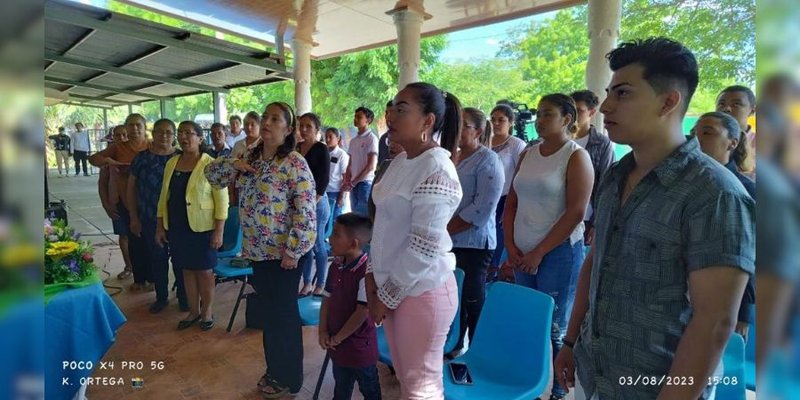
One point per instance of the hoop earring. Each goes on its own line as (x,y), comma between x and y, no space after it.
(424,137)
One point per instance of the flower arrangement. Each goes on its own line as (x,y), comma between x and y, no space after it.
(66,259)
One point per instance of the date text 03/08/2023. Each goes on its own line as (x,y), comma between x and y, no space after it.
(109,366)
(646,380)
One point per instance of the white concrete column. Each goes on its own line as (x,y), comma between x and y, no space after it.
(301,67)
(408,19)
(220,109)
(604,23)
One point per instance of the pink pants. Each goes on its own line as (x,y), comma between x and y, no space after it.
(416,332)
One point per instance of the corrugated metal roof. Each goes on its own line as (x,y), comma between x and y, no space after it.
(101,57)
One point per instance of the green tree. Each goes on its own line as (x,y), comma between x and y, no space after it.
(339,85)
(479,83)
(553,53)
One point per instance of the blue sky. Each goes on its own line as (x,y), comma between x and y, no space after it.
(483,41)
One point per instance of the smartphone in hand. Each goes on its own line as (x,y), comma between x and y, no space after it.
(460,373)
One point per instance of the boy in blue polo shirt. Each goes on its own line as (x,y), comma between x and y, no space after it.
(344,326)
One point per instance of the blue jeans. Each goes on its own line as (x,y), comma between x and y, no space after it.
(557,277)
(320,256)
(501,246)
(336,211)
(359,197)
(345,378)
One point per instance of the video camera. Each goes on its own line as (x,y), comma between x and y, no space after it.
(522,117)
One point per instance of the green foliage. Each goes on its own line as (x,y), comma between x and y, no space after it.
(553,53)
(340,85)
(479,83)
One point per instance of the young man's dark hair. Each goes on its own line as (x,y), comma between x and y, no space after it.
(367,113)
(216,125)
(587,97)
(667,65)
(356,225)
(389,103)
(235,117)
(751,97)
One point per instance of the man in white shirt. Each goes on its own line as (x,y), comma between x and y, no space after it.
(363,151)
(80,146)
(339,161)
(236,131)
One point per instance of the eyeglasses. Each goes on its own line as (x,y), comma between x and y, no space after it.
(468,127)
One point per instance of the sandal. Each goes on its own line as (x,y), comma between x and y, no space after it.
(318,291)
(125,274)
(186,323)
(273,389)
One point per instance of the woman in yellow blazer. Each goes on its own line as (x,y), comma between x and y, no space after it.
(191,213)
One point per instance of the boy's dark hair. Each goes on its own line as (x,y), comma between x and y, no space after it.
(356,225)
(751,97)
(390,103)
(588,97)
(236,117)
(367,113)
(335,131)
(667,65)
(216,125)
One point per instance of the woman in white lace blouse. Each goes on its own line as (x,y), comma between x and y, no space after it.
(410,286)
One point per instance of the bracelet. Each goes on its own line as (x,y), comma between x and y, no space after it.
(568,343)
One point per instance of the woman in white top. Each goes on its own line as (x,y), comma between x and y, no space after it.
(252,136)
(410,283)
(509,148)
(544,213)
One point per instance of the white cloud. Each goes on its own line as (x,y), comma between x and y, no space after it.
(492,42)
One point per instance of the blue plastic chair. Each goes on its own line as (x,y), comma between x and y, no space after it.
(733,362)
(502,368)
(385,356)
(309,310)
(750,359)
(231,247)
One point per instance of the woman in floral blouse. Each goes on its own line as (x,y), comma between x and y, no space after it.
(277,211)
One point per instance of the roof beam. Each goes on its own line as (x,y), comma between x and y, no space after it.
(78,42)
(84,104)
(90,98)
(101,87)
(73,17)
(137,58)
(101,66)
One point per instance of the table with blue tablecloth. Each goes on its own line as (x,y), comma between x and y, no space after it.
(81,325)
